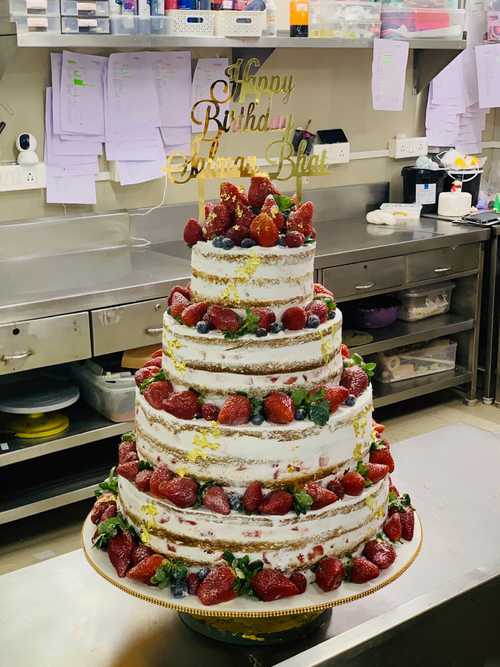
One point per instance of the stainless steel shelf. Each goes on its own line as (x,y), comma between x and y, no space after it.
(386,394)
(406,333)
(165,41)
(86,426)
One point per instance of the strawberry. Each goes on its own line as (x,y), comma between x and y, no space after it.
(378,428)
(144,374)
(294,239)
(218,586)
(335,395)
(210,412)
(181,491)
(363,570)
(318,308)
(300,220)
(179,289)
(146,568)
(353,483)
(209,207)
(218,221)
(376,472)
(299,580)
(355,380)
(276,502)
(120,552)
(192,583)
(252,497)
(223,318)
(294,318)
(157,392)
(260,188)
(127,451)
(193,313)
(393,528)
(161,475)
(320,495)
(381,454)
(154,361)
(380,552)
(266,317)
(269,584)
(263,231)
(407,524)
(192,232)
(179,303)
(243,216)
(215,499)
(157,353)
(237,233)
(278,408)
(345,351)
(182,404)
(272,209)
(231,196)
(329,573)
(236,410)
(139,552)
(337,487)
(128,470)
(109,512)
(98,510)
(143,480)
(322,291)
(393,489)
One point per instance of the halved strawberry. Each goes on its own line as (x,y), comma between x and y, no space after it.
(278,408)
(345,351)
(194,313)
(100,507)
(223,318)
(182,404)
(143,480)
(178,304)
(294,239)
(320,495)
(330,573)
(215,499)
(270,584)
(192,232)
(231,195)
(355,380)
(260,188)
(272,209)
(157,353)
(139,552)
(266,317)
(300,220)
(276,502)
(264,231)
(127,451)
(146,568)
(236,410)
(252,497)
(154,361)
(179,289)
(181,491)
(120,551)
(218,221)
(294,318)
(161,475)
(144,374)
(318,308)
(218,586)
(335,395)
(337,487)
(321,291)
(157,392)
(128,470)
(243,216)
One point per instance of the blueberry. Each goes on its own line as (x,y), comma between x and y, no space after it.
(202,327)
(227,243)
(203,573)
(261,332)
(350,400)
(257,419)
(217,241)
(247,243)
(312,322)
(331,314)
(234,501)
(281,240)
(275,327)
(178,588)
(300,414)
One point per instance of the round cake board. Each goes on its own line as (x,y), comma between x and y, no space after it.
(247,621)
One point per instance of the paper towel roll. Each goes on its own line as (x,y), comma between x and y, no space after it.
(454,204)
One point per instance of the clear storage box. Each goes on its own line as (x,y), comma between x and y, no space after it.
(75,25)
(493,26)
(420,4)
(137,25)
(239,24)
(37,24)
(111,394)
(417,360)
(404,23)
(192,22)
(85,9)
(346,20)
(423,302)
(34,7)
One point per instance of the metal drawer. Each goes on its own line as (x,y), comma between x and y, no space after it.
(365,277)
(125,327)
(44,342)
(443,262)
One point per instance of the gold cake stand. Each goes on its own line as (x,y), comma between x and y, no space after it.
(247,621)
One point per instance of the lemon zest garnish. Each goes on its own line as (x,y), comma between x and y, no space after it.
(182,472)
(170,351)
(145,536)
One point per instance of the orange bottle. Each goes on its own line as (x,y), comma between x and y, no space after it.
(299,18)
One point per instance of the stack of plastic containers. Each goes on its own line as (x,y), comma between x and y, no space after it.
(408,19)
(139,17)
(493,10)
(35,15)
(83,16)
(344,19)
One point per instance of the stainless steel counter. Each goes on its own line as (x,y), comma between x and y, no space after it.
(61,612)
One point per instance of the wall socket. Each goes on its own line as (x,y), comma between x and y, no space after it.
(22,177)
(404,147)
(336,153)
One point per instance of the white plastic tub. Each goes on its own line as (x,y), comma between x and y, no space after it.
(111,394)
(423,302)
(34,7)
(414,361)
(239,24)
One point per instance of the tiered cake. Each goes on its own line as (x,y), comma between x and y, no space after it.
(255,467)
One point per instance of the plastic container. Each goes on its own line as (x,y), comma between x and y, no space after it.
(423,186)
(75,25)
(192,22)
(346,29)
(376,312)
(34,7)
(417,360)
(423,302)
(239,24)
(348,20)
(112,394)
(138,25)
(404,23)
(84,9)
(38,24)
(493,26)
(421,4)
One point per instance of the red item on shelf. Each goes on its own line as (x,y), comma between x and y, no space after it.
(431,20)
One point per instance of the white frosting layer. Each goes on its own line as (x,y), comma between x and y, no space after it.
(215,365)
(287,542)
(278,277)
(271,453)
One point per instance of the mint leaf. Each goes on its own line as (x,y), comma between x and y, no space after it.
(229,557)
(155,378)
(168,572)
(362,468)
(256,404)
(109,484)
(145,465)
(302,502)
(370,369)
(298,396)
(319,412)
(249,326)
(315,395)
(108,529)
(284,202)
(129,436)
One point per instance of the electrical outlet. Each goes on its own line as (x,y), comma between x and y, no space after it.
(22,177)
(336,153)
(404,147)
